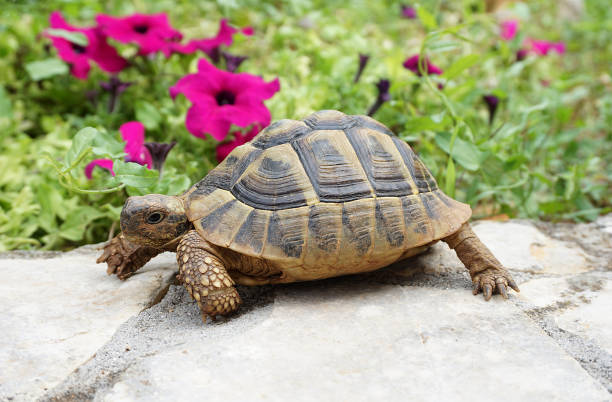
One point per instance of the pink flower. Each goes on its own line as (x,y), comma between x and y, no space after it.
(133,134)
(221,98)
(151,32)
(210,46)
(225,148)
(408,12)
(78,56)
(543,47)
(103,163)
(412,64)
(509,29)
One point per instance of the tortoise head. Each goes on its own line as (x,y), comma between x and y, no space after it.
(153,220)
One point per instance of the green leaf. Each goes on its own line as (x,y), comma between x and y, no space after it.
(42,69)
(427,18)
(422,123)
(135,175)
(6,109)
(449,187)
(77,38)
(173,185)
(107,145)
(82,141)
(148,115)
(460,65)
(74,226)
(465,153)
(49,200)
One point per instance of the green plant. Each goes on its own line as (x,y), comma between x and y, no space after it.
(546,154)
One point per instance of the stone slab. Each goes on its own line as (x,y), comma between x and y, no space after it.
(592,319)
(520,246)
(354,340)
(56,312)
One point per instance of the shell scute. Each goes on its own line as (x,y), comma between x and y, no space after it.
(382,162)
(275,180)
(332,166)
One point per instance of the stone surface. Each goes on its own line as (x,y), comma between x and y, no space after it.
(520,246)
(362,342)
(592,318)
(56,312)
(412,331)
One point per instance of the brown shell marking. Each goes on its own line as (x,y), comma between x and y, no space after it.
(276,180)
(332,166)
(324,236)
(381,162)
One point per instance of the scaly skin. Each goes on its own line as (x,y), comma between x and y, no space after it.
(488,274)
(204,275)
(124,258)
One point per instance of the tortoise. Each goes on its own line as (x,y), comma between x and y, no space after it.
(330,195)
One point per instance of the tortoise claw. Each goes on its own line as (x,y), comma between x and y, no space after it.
(493,280)
(502,290)
(487,291)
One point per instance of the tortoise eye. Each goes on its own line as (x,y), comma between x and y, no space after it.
(155,217)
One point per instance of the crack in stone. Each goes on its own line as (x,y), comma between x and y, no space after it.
(593,359)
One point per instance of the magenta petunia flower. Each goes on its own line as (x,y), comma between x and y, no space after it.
(221,98)
(408,12)
(210,46)
(412,64)
(509,29)
(103,163)
(151,32)
(133,134)
(78,56)
(225,148)
(543,47)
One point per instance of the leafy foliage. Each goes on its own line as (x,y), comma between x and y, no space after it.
(547,153)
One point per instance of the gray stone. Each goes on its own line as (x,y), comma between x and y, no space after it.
(592,318)
(520,246)
(57,312)
(409,332)
(357,341)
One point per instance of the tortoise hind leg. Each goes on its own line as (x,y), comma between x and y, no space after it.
(488,274)
(205,277)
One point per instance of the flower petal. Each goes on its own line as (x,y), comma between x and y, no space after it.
(103,163)
(509,29)
(196,87)
(226,148)
(201,121)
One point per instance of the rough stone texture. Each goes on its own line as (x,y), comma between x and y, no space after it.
(56,312)
(520,246)
(412,331)
(384,344)
(591,319)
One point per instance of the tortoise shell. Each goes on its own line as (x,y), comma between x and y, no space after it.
(335,188)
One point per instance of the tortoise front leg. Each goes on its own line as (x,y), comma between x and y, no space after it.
(204,275)
(123,258)
(486,271)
